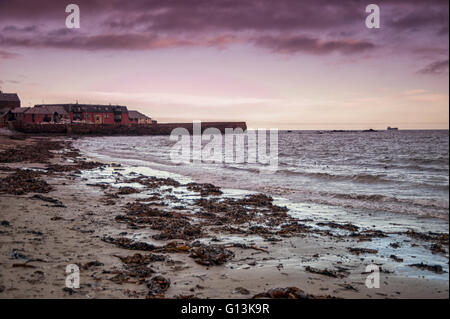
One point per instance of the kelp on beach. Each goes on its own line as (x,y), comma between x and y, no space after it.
(41,151)
(186,226)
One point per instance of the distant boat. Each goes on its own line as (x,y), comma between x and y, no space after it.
(392,128)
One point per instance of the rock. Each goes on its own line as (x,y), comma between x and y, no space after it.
(288,293)
(397,259)
(349,227)
(157,286)
(70,291)
(142,259)
(325,272)
(433,268)
(49,200)
(15,254)
(358,251)
(127,190)
(437,249)
(211,255)
(241,290)
(127,243)
(90,264)
(394,245)
(5,223)
(204,189)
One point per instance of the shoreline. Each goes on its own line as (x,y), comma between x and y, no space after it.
(323,191)
(215,255)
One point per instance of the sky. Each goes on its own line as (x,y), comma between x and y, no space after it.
(286,64)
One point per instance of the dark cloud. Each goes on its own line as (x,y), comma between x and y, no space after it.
(437,67)
(443,31)
(296,44)
(229,14)
(421,18)
(285,26)
(13,28)
(115,42)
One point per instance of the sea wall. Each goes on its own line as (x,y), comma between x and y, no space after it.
(120,129)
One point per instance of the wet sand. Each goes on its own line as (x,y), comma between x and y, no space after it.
(205,246)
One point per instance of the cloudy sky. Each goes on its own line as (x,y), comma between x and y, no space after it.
(287,63)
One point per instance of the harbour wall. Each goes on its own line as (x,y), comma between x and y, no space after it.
(120,129)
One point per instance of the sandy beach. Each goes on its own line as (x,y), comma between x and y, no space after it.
(134,235)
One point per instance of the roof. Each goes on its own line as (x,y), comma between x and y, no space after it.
(18,110)
(9,97)
(92,108)
(4,110)
(137,115)
(50,109)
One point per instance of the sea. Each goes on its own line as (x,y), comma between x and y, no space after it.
(390,177)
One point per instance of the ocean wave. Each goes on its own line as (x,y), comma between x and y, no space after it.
(377,203)
(408,167)
(387,207)
(372,202)
(430,161)
(246,169)
(363,178)
(355,178)
(370,197)
(426,203)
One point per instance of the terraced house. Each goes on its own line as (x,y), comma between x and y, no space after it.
(88,113)
(10,111)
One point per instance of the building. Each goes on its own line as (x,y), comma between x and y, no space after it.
(92,114)
(43,114)
(139,118)
(3,120)
(18,113)
(10,111)
(9,101)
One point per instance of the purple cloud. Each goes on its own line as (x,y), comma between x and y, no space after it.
(294,44)
(438,67)
(114,42)
(283,26)
(8,55)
